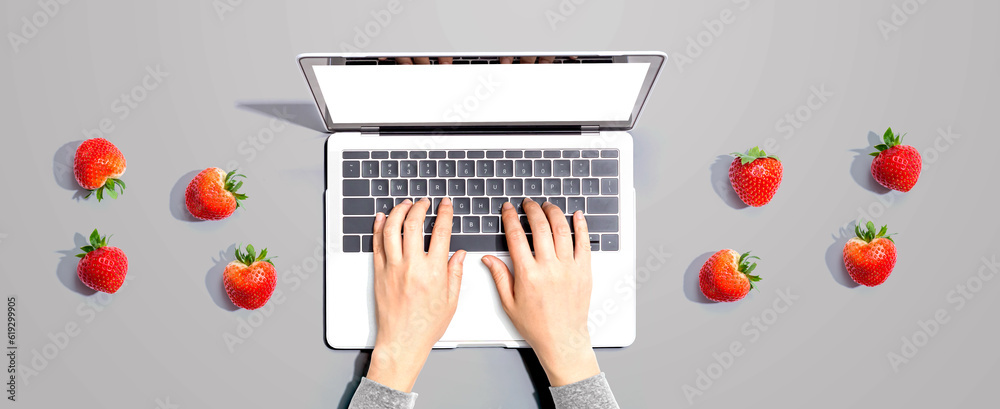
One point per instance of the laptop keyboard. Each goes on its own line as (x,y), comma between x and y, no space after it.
(479,182)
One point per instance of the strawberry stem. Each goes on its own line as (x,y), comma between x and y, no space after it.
(753,154)
(96,241)
(746,267)
(890,139)
(251,256)
(233,186)
(869,233)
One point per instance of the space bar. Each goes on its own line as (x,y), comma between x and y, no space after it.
(486,242)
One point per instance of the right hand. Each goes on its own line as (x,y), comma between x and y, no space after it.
(548,296)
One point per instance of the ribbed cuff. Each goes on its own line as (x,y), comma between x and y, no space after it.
(590,393)
(371,394)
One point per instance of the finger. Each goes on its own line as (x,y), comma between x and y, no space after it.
(527,60)
(541,234)
(517,242)
(455,274)
(506,60)
(582,238)
(445,60)
(422,60)
(441,235)
(562,238)
(377,249)
(546,60)
(404,61)
(503,279)
(413,228)
(391,242)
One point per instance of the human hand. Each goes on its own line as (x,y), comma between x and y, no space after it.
(548,296)
(416,293)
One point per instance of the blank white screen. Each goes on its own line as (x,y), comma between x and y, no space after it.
(494,93)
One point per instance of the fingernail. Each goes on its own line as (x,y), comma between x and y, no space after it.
(446,201)
(424,199)
(578,215)
(461,257)
(507,206)
(406,201)
(379,216)
(487,261)
(528,199)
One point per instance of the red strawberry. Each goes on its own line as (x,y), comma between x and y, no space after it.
(102,268)
(250,280)
(726,276)
(212,194)
(895,166)
(97,166)
(755,176)
(870,257)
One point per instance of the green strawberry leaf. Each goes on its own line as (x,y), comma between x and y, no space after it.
(263,255)
(120,182)
(113,193)
(100,193)
(82,255)
(95,239)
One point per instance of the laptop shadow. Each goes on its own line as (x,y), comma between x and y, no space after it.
(539,381)
(301,113)
(361,364)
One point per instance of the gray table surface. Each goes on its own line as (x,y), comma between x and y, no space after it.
(811,79)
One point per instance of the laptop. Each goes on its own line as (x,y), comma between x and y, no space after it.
(482,129)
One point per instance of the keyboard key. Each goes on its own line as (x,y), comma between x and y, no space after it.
(484,168)
(522,168)
(481,205)
(494,187)
(359,224)
(595,242)
(429,224)
(602,205)
(418,187)
(428,168)
(398,187)
(561,168)
(604,167)
(408,168)
(581,167)
(384,205)
(514,187)
(354,155)
(575,203)
(390,168)
(397,155)
(366,243)
(369,168)
(456,154)
(543,168)
(539,200)
(609,186)
(505,168)
(609,242)
(380,187)
(476,154)
(532,154)
(491,224)
(456,187)
(590,154)
(362,206)
(352,169)
(571,154)
(571,186)
(496,203)
(601,224)
(437,154)
(356,187)
(462,205)
(435,204)
(352,244)
(380,155)
(437,187)
(470,224)
(609,153)
(398,200)
(446,168)
(418,155)
(518,203)
(591,186)
(532,186)
(513,154)
(494,154)
(476,187)
(525,224)
(490,242)
(550,154)
(466,168)
(552,187)
(559,201)
(456,224)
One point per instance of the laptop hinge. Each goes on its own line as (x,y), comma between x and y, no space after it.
(590,130)
(369,130)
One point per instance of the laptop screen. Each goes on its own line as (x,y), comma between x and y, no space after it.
(488,94)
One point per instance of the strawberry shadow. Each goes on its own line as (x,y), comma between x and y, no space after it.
(62,170)
(835,256)
(721,184)
(861,167)
(213,280)
(692,290)
(177,207)
(66,269)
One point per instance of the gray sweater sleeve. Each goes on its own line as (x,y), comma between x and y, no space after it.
(373,395)
(590,393)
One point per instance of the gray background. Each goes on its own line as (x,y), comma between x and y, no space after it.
(160,342)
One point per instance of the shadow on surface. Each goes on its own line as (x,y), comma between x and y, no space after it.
(301,113)
(62,169)
(721,184)
(361,364)
(538,378)
(691,287)
(66,270)
(213,280)
(835,256)
(861,167)
(177,207)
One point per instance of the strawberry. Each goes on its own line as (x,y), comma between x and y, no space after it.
(726,277)
(213,194)
(102,268)
(97,166)
(870,257)
(755,176)
(250,280)
(895,166)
